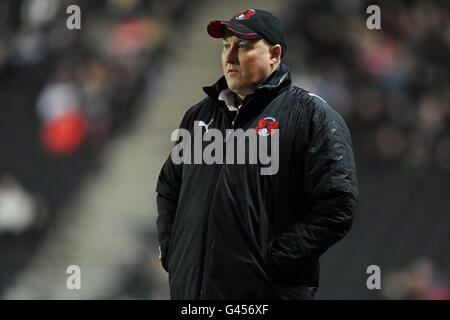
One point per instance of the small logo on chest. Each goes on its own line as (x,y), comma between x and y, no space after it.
(203,124)
(266,126)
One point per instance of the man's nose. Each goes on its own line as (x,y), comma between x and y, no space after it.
(231,56)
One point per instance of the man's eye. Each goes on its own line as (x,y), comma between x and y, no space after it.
(241,45)
(226,46)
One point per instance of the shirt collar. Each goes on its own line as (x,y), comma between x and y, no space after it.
(228,97)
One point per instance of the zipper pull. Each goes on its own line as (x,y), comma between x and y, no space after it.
(232,122)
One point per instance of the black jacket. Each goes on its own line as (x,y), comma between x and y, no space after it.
(228,232)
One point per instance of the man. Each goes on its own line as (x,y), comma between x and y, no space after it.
(226,230)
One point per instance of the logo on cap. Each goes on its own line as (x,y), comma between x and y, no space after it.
(245,14)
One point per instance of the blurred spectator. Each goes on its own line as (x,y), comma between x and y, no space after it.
(96,83)
(419,281)
(29,47)
(130,41)
(59,107)
(19,210)
(37,13)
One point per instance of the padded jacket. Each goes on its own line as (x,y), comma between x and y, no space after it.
(226,231)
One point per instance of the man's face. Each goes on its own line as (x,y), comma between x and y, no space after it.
(246,63)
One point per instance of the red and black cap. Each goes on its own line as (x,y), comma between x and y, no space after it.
(252,24)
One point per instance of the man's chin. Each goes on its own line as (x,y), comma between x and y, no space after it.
(233,87)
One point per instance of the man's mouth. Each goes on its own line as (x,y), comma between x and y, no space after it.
(232,70)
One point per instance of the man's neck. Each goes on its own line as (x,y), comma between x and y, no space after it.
(238,99)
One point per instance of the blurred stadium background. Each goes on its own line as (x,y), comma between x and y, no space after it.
(86,117)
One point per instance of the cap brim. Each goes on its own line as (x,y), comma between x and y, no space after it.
(217,29)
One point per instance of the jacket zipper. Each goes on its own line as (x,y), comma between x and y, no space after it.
(206,250)
(207,253)
(245,102)
(234,120)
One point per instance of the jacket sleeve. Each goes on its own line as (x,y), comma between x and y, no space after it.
(330,187)
(168,191)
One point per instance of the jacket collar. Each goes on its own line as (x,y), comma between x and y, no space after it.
(278,80)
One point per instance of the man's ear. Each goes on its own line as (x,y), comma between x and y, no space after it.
(275,53)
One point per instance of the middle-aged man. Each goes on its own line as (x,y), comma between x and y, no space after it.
(226,229)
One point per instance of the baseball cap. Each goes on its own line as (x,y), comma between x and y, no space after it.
(251,24)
